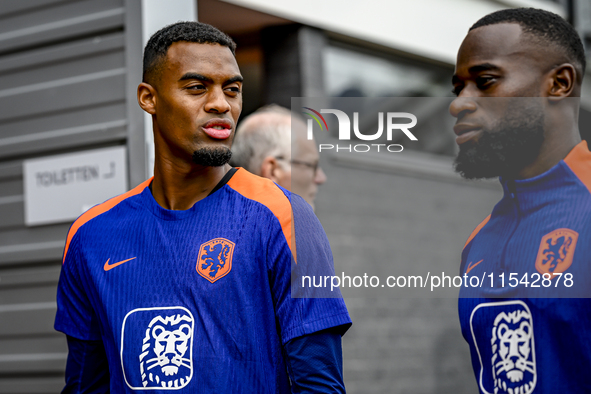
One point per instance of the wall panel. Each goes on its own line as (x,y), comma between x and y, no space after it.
(63,81)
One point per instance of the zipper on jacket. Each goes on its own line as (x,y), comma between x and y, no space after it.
(517,212)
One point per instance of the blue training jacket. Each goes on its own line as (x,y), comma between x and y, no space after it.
(529,332)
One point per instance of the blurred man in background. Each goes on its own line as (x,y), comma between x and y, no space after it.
(264,145)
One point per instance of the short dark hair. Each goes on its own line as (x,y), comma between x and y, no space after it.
(198,32)
(545,25)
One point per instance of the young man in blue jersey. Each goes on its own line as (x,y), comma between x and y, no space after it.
(184,282)
(517,77)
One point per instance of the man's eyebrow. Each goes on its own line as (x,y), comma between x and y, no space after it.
(483,67)
(475,70)
(203,78)
(196,76)
(236,78)
(200,77)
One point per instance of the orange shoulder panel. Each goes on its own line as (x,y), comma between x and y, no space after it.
(267,193)
(99,209)
(579,161)
(476,230)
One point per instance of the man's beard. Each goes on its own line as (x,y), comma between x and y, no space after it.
(212,157)
(505,149)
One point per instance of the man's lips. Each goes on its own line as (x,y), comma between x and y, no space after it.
(465,132)
(220,129)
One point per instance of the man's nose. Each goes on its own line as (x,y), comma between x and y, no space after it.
(217,101)
(320,176)
(461,106)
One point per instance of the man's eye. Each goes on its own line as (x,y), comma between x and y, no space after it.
(484,81)
(233,89)
(456,90)
(196,87)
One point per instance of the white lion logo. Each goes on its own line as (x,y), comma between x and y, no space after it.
(167,340)
(512,360)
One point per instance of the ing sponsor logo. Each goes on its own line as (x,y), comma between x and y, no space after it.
(503,336)
(157,348)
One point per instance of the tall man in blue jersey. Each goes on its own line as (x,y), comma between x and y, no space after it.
(184,282)
(517,77)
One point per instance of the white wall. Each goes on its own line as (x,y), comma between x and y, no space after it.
(429,28)
(155,15)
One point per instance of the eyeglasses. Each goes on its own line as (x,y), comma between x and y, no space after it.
(313,166)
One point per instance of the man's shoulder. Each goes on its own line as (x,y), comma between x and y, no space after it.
(255,187)
(99,211)
(579,162)
(265,200)
(261,192)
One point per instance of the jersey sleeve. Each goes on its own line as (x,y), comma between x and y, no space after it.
(303,311)
(315,363)
(87,368)
(75,315)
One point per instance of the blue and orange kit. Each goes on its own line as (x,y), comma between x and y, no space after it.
(196,300)
(529,325)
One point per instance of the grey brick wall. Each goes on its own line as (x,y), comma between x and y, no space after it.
(388,224)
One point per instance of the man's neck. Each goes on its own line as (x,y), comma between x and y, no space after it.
(180,188)
(555,148)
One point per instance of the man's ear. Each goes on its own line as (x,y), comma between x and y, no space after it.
(272,169)
(562,81)
(146,97)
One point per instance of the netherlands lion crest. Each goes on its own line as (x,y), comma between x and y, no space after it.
(215,259)
(556,251)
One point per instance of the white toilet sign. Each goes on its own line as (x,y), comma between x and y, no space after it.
(60,188)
